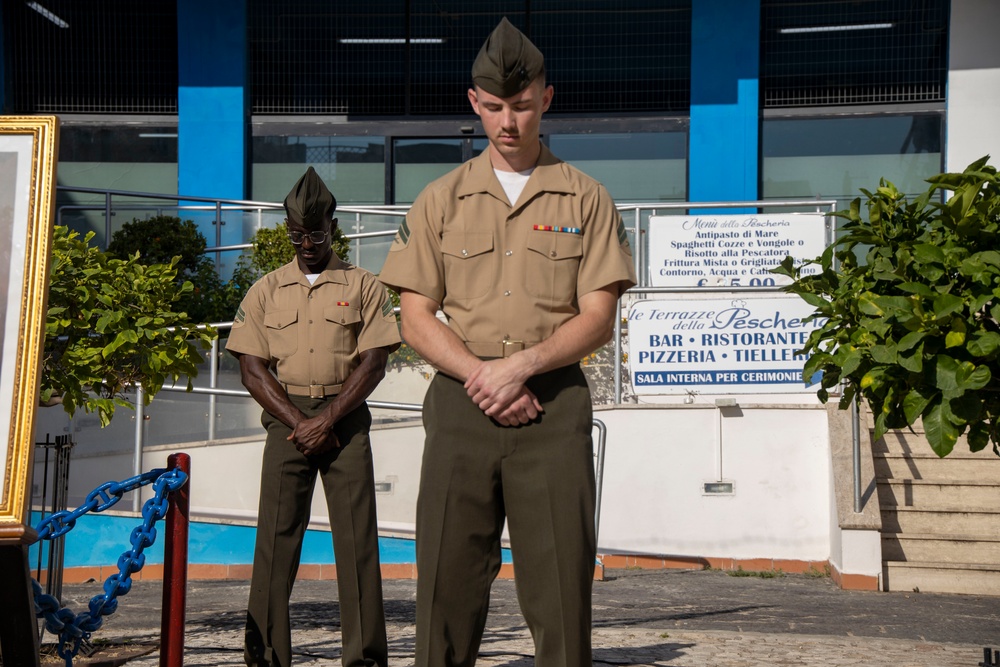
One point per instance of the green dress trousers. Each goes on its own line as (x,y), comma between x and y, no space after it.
(540,478)
(287,481)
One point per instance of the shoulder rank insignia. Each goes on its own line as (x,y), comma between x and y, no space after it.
(402,236)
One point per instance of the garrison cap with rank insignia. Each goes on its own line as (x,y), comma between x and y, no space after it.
(310,201)
(507,62)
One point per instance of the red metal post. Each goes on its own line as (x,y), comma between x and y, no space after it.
(175,556)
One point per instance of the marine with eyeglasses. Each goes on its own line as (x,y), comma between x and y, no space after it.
(312,339)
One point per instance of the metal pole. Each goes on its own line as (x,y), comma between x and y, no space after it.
(638,245)
(718,443)
(45,493)
(218,232)
(602,438)
(856,436)
(618,354)
(357,230)
(140,418)
(213,382)
(60,497)
(175,557)
(107,219)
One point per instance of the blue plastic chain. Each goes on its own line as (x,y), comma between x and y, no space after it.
(73,629)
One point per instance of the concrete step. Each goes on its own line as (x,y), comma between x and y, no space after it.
(936,494)
(968,578)
(915,444)
(925,548)
(902,519)
(952,467)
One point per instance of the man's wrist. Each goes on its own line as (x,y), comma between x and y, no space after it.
(528,362)
(330,416)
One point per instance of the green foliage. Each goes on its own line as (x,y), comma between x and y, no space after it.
(405,356)
(160,239)
(914,326)
(600,368)
(760,574)
(111,324)
(814,573)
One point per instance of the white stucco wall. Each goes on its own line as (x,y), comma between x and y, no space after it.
(657,460)
(973,128)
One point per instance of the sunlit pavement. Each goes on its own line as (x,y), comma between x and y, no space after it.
(641,617)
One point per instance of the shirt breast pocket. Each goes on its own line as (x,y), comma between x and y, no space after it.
(282,332)
(553,264)
(342,324)
(468,263)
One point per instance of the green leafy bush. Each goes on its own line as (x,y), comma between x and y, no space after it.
(160,239)
(111,324)
(405,356)
(914,327)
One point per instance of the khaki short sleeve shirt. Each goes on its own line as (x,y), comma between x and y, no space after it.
(314,334)
(503,272)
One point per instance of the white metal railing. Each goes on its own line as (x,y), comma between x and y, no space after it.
(602,434)
(636,214)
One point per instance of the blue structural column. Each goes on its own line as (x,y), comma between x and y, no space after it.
(725,65)
(213,103)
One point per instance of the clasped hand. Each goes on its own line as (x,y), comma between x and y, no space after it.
(497,387)
(313,435)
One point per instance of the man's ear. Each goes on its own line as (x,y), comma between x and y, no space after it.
(474,100)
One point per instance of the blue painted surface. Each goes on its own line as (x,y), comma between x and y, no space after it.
(100,539)
(212,104)
(725,66)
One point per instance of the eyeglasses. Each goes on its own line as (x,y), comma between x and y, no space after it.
(316,237)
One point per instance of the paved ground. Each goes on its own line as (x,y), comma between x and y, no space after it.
(641,617)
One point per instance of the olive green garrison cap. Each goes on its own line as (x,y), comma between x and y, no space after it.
(310,201)
(507,62)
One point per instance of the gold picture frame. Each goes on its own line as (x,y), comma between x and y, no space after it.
(28,155)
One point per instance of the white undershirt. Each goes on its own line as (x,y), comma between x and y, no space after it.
(513,182)
(311,277)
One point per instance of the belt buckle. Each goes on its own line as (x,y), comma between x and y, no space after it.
(511,346)
(317,391)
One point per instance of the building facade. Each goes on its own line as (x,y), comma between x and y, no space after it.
(665,100)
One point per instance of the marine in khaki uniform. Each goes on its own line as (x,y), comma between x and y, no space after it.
(325,328)
(527,257)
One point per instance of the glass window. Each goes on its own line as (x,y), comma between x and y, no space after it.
(833,158)
(386,57)
(615,56)
(132,158)
(420,161)
(635,167)
(352,167)
(822,53)
(100,56)
(447,35)
(313,56)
